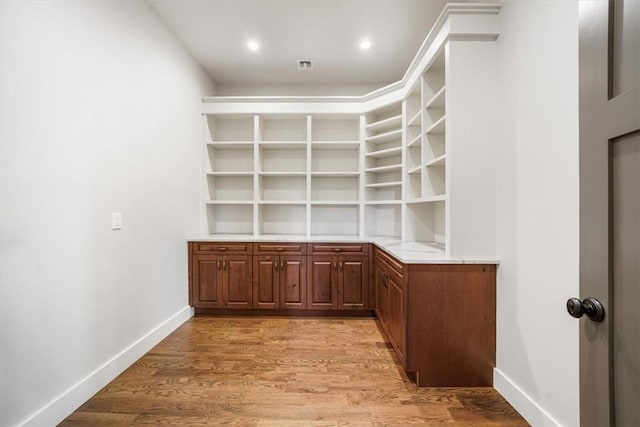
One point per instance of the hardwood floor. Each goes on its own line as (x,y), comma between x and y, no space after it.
(273,371)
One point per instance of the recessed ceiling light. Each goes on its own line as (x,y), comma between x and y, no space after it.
(365,44)
(253,45)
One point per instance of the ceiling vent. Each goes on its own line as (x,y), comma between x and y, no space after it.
(305,65)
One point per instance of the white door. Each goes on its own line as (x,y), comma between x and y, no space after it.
(609,212)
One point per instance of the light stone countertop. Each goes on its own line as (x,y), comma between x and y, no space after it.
(406,252)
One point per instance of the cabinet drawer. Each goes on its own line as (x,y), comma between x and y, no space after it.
(339,248)
(223,248)
(387,259)
(280,248)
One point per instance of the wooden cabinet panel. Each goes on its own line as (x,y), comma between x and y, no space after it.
(266,282)
(206,289)
(458,302)
(280,248)
(353,282)
(397,321)
(236,284)
(279,282)
(223,248)
(293,282)
(322,283)
(339,248)
(390,301)
(382,296)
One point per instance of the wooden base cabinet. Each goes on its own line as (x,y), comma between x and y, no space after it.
(279,282)
(440,319)
(220,275)
(338,277)
(390,300)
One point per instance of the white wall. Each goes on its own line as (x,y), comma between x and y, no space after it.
(537,360)
(100,112)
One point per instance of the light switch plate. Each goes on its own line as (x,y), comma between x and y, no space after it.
(116,221)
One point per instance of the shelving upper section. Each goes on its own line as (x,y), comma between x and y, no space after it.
(458,21)
(381,164)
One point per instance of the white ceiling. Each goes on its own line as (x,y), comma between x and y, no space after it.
(325,31)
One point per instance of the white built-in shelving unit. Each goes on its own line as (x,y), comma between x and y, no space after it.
(412,161)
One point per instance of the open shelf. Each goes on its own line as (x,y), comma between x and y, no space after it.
(283,145)
(283,128)
(387,123)
(437,101)
(283,188)
(229,202)
(417,140)
(438,161)
(334,160)
(392,135)
(222,188)
(231,144)
(335,145)
(283,174)
(230,160)
(335,128)
(283,160)
(387,152)
(229,128)
(334,189)
(383,220)
(426,222)
(414,170)
(384,184)
(437,127)
(230,218)
(336,219)
(339,174)
(415,120)
(279,219)
(387,168)
(230,173)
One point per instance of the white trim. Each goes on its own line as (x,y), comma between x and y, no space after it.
(63,405)
(523,403)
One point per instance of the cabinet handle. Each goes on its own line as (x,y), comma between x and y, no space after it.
(224,264)
(280,249)
(334,264)
(219,264)
(340,265)
(385,280)
(275,264)
(223,249)
(336,249)
(281,265)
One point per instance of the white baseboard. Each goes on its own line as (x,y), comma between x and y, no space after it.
(525,405)
(60,407)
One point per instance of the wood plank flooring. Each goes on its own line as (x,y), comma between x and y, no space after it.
(276,371)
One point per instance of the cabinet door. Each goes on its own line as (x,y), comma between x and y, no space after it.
(266,279)
(396,324)
(353,282)
(382,296)
(322,283)
(293,282)
(207,275)
(237,286)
